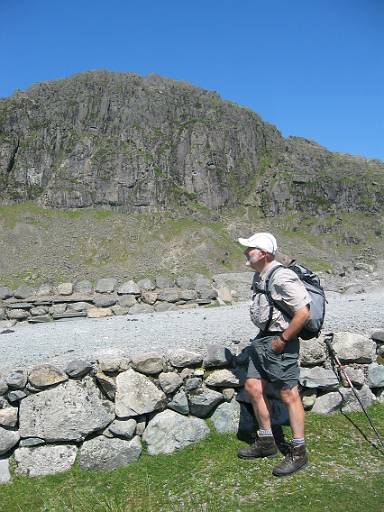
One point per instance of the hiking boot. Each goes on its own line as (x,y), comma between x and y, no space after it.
(263,447)
(295,459)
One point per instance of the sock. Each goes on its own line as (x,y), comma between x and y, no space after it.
(265,432)
(297,441)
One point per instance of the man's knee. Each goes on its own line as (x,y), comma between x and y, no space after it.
(254,388)
(290,395)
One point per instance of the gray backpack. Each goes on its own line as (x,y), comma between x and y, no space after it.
(311,281)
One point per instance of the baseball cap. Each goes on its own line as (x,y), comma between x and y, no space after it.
(264,241)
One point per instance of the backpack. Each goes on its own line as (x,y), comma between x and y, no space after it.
(311,281)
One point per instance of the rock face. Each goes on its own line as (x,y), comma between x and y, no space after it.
(68,412)
(169,431)
(44,460)
(148,143)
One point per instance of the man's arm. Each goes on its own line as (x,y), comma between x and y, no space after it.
(300,316)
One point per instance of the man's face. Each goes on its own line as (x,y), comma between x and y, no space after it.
(255,258)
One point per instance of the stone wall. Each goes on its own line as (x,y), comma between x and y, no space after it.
(104,411)
(111,297)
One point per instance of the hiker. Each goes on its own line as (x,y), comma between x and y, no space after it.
(275,350)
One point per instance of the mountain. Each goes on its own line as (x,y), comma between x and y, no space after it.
(145,144)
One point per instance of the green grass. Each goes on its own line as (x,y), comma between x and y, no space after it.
(346,473)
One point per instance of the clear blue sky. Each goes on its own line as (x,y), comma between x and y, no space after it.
(313,68)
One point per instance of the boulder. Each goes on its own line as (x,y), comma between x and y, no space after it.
(164,282)
(187,294)
(5,293)
(169,431)
(17,314)
(350,402)
(127,301)
(149,363)
(136,394)
(80,306)
(105,453)
(192,383)
(23,292)
(207,293)
(376,375)
(103,301)
(46,375)
(129,288)
(16,395)
(65,289)
(160,307)
(138,309)
(57,309)
(378,335)
(328,403)
(99,312)
(168,295)
(226,417)
(181,358)
(107,384)
(146,284)
(39,311)
(8,439)
(78,368)
(312,352)
(179,403)
(44,290)
(185,282)
(30,442)
(354,348)
(148,297)
(5,475)
(356,375)
(8,417)
(318,377)
(203,401)
(217,355)
(68,412)
(106,285)
(124,429)
(44,460)
(119,310)
(170,381)
(226,378)
(308,398)
(17,379)
(110,363)
(83,287)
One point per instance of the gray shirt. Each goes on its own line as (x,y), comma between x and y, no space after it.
(285,288)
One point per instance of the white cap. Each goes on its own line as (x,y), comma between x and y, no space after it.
(264,241)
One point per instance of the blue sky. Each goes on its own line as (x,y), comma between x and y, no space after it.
(313,68)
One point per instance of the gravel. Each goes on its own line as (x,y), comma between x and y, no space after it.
(62,341)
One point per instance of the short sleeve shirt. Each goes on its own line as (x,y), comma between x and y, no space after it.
(286,289)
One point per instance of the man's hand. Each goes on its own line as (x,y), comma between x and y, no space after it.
(277,345)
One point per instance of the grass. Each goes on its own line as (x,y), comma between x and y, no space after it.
(346,472)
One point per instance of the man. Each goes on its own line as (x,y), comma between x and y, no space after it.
(275,350)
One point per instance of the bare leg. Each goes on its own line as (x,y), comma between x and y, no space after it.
(255,389)
(293,402)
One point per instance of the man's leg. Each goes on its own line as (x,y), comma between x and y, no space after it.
(265,445)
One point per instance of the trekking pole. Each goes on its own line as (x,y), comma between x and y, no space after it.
(328,341)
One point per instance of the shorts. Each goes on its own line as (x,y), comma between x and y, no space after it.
(279,369)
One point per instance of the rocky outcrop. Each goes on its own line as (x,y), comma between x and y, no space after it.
(147,143)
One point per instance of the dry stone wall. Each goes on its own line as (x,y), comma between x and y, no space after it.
(102,412)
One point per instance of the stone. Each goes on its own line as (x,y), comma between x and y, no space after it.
(187,294)
(78,368)
(127,301)
(185,282)
(146,284)
(217,355)
(201,281)
(356,375)
(160,307)
(203,302)
(141,423)
(23,292)
(124,429)
(353,288)
(5,293)
(148,297)
(106,285)
(226,378)
(39,311)
(168,295)
(328,403)
(44,290)
(179,403)
(68,412)
(83,286)
(169,431)
(129,288)
(8,417)
(149,363)
(103,301)
(107,384)
(136,395)
(3,386)
(119,310)
(57,309)
(7,324)
(164,282)
(17,379)
(17,314)
(16,395)
(80,306)
(46,375)
(380,396)
(138,309)
(39,319)
(2,314)
(308,398)
(110,363)
(104,453)
(312,352)
(8,439)
(65,289)
(226,417)
(170,381)
(207,293)
(5,475)
(354,348)
(181,358)
(228,394)
(350,402)
(68,315)
(224,294)
(99,312)
(203,401)
(318,377)
(365,267)
(44,460)
(376,375)
(378,335)
(30,442)
(192,383)
(20,305)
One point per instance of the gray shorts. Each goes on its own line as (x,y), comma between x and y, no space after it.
(281,369)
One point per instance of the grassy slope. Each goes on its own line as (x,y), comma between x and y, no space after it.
(345,473)
(57,245)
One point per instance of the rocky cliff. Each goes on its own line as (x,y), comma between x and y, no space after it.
(145,144)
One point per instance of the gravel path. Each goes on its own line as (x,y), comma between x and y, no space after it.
(59,342)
